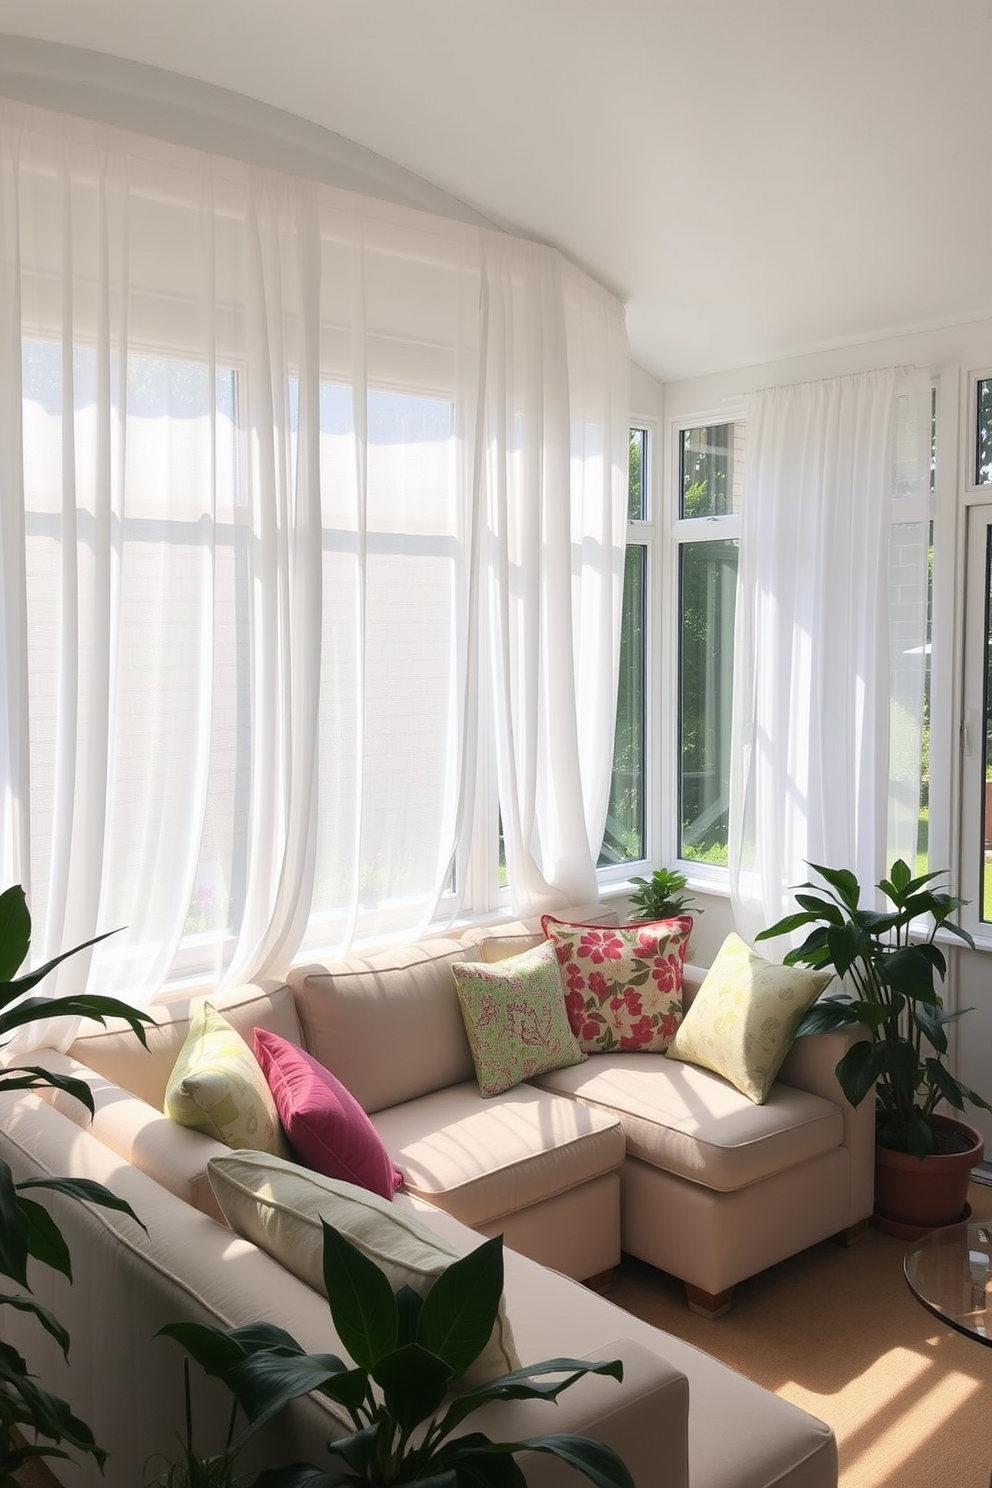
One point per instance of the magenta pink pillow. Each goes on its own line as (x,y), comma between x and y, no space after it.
(323,1122)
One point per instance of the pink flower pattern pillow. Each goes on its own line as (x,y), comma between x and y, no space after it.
(623,983)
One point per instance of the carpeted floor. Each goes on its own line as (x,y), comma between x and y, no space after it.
(838,1332)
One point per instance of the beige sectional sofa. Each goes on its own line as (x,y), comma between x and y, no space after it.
(633,1152)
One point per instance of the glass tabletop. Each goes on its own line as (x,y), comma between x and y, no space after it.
(950,1271)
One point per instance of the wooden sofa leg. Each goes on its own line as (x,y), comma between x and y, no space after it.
(601,1282)
(708,1304)
(852,1234)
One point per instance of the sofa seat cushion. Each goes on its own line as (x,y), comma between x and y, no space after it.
(695,1124)
(480,1159)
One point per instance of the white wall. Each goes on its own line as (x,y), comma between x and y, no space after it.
(953,354)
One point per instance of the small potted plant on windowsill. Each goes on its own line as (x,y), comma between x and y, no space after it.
(661,896)
(890,960)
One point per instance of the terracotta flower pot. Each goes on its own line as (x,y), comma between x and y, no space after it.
(914,1195)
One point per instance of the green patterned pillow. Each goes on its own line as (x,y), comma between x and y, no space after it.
(515,1018)
(742,1021)
(217,1086)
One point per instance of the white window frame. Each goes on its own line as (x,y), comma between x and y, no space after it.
(709,877)
(642,532)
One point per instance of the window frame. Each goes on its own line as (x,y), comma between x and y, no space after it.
(678,531)
(643,532)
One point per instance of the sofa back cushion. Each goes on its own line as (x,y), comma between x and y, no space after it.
(115,1052)
(388,1025)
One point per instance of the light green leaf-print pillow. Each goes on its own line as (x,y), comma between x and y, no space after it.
(515,1018)
(743,1019)
(217,1086)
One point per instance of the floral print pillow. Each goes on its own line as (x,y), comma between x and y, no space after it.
(623,983)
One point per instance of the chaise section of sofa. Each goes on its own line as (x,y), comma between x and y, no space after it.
(126,1382)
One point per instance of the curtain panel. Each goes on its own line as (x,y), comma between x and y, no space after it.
(831,634)
(309,507)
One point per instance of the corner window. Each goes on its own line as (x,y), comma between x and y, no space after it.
(707,532)
(624,837)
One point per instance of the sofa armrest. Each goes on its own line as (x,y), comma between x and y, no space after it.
(811,1064)
(175,1156)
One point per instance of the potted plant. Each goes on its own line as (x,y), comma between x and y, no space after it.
(408,1354)
(889,960)
(661,896)
(33,1422)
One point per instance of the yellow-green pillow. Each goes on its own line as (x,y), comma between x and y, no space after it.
(217,1086)
(743,1019)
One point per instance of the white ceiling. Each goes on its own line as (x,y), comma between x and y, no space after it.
(754,178)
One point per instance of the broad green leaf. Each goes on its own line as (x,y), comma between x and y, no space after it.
(350,1388)
(212,1348)
(786,926)
(821,909)
(408,1307)
(414,1382)
(36,1077)
(846,943)
(50,1324)
(931,1022)
(858,1070)
(598,1462)
(460,1309)
(85,1189)
(898,1063)
(267,1381)
(975,1100)
(826,1016)
(909,972)
(521,1384)
(45,1239)
(358,1449)
(14,1230)
(842,881)
(15,930)
(360,1298)
(85,1005)
(945,1082)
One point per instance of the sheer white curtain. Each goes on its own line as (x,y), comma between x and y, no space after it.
(830,635)
(279,465)
(556,432)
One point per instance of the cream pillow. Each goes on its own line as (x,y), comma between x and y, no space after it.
(217,1086)
(279,1207)
(743,1019)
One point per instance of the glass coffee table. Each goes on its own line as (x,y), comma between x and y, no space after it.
(950,1272)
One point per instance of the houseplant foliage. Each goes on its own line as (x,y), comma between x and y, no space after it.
(33,1422)
(407,1355)
(892,966)
(661,896)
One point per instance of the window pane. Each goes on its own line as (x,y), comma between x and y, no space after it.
(707,598)
(985,896)
(711,467)
(623,841)
(983,443)
(637,507)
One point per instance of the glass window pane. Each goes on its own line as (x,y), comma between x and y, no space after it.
(983,443)
(985,896)
(623,840)
(707,599)
(711,465)
(637,506)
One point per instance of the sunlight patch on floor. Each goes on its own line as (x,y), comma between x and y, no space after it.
(873,1455)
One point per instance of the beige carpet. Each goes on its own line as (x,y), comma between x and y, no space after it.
(838,1332)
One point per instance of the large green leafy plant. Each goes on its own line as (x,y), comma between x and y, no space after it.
(891,960)
(33,1422)
(408,1355)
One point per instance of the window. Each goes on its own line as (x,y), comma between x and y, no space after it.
(976,878)
(707,532)
(624,838)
